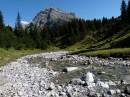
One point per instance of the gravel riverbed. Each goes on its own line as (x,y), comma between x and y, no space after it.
(57,74)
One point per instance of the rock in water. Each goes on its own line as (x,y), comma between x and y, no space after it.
(70,69)
(89,77)
(102,84)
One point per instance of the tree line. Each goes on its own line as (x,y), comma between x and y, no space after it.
(63,35)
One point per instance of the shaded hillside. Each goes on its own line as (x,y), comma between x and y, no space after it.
(118,39)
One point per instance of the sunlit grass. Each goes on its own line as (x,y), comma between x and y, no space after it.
(11,54)
(117,52)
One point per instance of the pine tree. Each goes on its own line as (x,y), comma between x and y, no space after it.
(128,11)
(123,10)
(18,25)
(1,21)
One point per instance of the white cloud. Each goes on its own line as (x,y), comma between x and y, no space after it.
(25,22)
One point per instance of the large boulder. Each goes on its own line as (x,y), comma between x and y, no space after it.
(69,69)
(89,77)
(102,84)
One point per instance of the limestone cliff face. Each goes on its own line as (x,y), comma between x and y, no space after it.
(50,17)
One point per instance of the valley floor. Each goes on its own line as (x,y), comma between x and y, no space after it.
(58,74)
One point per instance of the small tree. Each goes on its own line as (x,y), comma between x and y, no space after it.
(128,11)
(18,25)
(123,10)
(1,21)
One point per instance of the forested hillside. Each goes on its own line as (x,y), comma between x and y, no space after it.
(78,33)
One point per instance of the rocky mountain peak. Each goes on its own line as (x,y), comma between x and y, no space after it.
(51,16)
(52,9)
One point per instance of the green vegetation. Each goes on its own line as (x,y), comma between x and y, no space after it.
(98,37)
(60,36)
(11,54)
(118,52)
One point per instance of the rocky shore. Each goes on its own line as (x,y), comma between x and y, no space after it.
(40,75)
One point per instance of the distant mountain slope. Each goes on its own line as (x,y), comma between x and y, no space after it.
(50,17)
(120,39)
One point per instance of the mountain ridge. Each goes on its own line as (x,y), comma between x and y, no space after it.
(51,16)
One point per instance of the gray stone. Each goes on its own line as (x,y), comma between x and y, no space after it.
(50,16)
(70,69)
(77,81)
(127,89)
(111,92)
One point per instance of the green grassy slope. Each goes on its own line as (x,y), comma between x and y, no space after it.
(11,54)
(117,52)
(117,45)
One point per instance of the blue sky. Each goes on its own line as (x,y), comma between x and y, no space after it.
(87,9)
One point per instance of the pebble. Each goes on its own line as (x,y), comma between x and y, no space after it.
(111,92)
